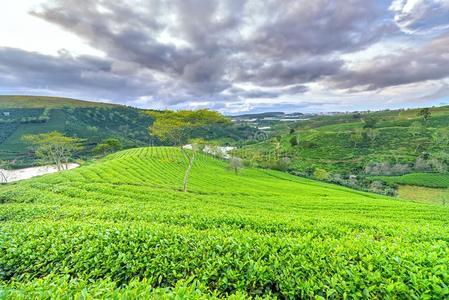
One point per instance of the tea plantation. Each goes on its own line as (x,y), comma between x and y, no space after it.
(432,180)
(121,228)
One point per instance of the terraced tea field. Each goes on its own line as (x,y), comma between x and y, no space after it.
(431,180)
(121,228)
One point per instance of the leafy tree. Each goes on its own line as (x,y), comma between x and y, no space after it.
(416,128)
(321,174)
(283,164)
(54,147)
(422,165)
(177,128)
(294,141)
(369,122)
(277,147)
(309,171)
(108,146)
(356,115)
(441,137)
(357,136)
(425,114)
(438,165)
(371,134)
(236,164)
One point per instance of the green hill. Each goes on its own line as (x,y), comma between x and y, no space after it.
(94,122)
(120,228)
(431,180)
(46,102)
(348,143)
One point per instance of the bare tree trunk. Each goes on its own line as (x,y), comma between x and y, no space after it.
(66,163)
(3,177)
(187,173)
(59,163)
(52,156)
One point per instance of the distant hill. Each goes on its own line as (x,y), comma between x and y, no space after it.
(347,143)
(359,149)
(92,121)
(47,102)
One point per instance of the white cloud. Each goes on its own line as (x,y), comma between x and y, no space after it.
(421,16)
(229,55)
(19,29)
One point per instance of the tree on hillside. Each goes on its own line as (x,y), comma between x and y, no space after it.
(178,127)
(416,128)
(321,174)
(441,137)
(54,147)
(371,134)
(369,122)
(108,146)
(357,136)
(236,164)
(294,141)
(425,114)
(277,147)
(282,164)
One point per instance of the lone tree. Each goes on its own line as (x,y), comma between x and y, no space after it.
(108,146)
(54,147)
(369,122)
(236,164)
(371,134)
(425,114)
(178,128)
(356,136)
(416,129)
(441,137)
(294,141)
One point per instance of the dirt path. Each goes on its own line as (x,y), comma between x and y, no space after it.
(21,174)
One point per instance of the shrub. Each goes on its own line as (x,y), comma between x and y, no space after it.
(321,174)
(294,141)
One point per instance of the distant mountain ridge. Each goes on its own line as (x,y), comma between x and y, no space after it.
(15,101)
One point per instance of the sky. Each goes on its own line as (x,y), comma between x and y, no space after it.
(233,56)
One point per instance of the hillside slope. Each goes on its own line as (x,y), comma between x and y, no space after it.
(121,227)
(94,122)
(346,144)
(7,101)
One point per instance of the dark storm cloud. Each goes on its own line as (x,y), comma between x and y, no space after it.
(293,27)
(214,44)
(290,72)
(179,52)
(411,65)
(83,76)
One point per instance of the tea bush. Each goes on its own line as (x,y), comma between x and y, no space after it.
(121,228)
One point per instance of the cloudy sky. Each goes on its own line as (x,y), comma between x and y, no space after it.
(229,55)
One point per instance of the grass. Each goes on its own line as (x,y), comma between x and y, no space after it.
(10,101)
(431,180)
(121,228)
(424,194)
